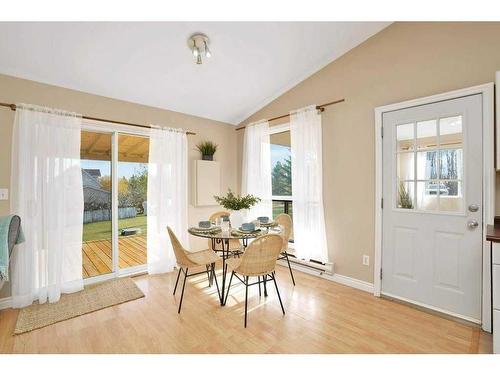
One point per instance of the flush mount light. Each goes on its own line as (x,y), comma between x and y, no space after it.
(198,44)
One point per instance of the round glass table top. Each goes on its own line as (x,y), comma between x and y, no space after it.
(217,232)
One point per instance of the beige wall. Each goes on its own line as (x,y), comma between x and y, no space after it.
(404,61)
(14,90)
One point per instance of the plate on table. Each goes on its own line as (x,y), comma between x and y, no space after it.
(212,228)
(268,224)
(240,229)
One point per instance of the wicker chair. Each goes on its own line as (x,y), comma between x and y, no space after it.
(186,259)
(258,260)
(286,222)
(235,246)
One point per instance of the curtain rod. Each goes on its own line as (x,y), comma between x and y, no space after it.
(320,108)
(13,108)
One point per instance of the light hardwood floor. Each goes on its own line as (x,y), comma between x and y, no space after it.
(321,317)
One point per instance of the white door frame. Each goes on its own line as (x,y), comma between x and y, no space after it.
(486,91)
(114,130)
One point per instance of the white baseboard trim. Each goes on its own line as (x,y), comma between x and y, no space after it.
(5,303)
(353,283)
(341,279)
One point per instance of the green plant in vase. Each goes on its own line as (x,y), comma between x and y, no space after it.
(404,198)
(207,149)
(236,204)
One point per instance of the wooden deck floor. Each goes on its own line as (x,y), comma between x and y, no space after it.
(97,255)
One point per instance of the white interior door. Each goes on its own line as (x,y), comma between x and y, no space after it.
(432,214)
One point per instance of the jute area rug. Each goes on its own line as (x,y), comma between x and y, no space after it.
(92,298)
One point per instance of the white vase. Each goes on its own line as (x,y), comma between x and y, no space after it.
(237,218)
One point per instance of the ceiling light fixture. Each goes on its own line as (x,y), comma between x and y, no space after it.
(198,44)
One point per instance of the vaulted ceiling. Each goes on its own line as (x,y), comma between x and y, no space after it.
(150,63)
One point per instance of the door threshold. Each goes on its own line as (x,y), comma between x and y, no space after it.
(433,310)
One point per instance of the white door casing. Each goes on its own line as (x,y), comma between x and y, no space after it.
(442,277)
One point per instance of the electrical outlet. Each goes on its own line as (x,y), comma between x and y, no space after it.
(4,194)
(366,260)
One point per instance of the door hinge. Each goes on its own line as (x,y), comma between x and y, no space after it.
(382,131)
(382,203)
(381,274)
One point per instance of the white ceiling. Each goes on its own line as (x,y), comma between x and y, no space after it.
(150,63)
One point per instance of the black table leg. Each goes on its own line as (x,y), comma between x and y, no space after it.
(223,273)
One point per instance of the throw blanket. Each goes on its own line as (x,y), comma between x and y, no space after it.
(4,245)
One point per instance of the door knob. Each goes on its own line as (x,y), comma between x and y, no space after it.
(472,224)
(473,207)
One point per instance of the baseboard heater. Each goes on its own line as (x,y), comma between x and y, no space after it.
(310,264)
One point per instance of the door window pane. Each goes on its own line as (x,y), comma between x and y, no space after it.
(450,131)
(405,135)
(427,195)
(451,164)
(405,198)
(406,166)
(427,134)
(427,168)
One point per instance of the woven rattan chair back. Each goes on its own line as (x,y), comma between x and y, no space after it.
(218,214)
(260,256)
(286,222)
(179,251)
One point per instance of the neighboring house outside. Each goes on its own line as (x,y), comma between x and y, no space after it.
(93,195)
(97,201)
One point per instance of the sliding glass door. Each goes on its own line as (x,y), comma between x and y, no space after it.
(133,152)
(96,163)
(114,174)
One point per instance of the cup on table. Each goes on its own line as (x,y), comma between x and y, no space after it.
(204,224)
(218,221)
(249,227)
(225,228)
(263,219)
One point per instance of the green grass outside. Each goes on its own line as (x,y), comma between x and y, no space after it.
(102,230)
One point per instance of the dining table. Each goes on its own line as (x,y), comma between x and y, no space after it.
(220,241)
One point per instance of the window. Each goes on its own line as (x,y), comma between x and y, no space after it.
(429,165)
(281,170)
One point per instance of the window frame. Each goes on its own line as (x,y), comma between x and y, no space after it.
(415,180)
(276,129)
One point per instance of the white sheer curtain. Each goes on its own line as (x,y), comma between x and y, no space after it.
(307,184)
(46,188)
(256,168)
(167,196)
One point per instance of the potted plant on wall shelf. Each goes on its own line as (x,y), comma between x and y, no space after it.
(237,205)
(207,149)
